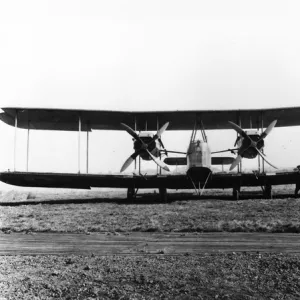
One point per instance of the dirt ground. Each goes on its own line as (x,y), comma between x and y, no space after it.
(230,276)
(189,276)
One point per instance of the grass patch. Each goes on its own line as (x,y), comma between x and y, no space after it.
(256,215)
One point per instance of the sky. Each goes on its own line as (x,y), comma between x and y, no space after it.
(145,55)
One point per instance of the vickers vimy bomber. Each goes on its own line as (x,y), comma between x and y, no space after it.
(146,129)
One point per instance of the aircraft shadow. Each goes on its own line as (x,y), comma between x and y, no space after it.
(150,199)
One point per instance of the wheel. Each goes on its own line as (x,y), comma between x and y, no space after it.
(130,194)
(163,194)
(297,188)
(236,194)
(268,192)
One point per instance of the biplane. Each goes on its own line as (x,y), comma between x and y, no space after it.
(252,127)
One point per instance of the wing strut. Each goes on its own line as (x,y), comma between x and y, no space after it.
(15,141)
(262,129)
(79,131)
(87,147)
(27,153)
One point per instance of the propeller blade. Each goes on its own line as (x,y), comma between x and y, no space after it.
(264,158)
(129,161)
(132,132)
(236,141)
(162,130)
(238,129)
(161,143)
(158,162)
(236,162)
(268,130)
(158,135)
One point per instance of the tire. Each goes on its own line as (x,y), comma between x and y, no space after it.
(130,194)
(268,192)
(236,194)
(163,194)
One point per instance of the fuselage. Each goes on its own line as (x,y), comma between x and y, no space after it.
(245,143)
(198,155)
(153,147)
(198,160)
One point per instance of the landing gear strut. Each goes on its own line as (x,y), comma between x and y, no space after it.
(236,193)
(297,188)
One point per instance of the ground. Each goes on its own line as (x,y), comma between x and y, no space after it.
(189,276)
(231,276)
(96,212)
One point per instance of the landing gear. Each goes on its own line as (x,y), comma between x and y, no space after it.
(236,193)
(268,194)
(163,194)
(131,194)
(297,188)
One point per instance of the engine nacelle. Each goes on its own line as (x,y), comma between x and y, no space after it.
(255,136)
(154,147)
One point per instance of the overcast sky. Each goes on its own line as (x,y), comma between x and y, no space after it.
(145,55)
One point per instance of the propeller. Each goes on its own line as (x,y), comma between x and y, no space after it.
(144,147)
(248,142)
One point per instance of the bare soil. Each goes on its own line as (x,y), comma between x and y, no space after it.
(230,276)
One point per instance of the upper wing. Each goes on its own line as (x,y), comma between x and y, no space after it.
(68,120)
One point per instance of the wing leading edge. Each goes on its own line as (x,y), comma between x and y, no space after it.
(68,120)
